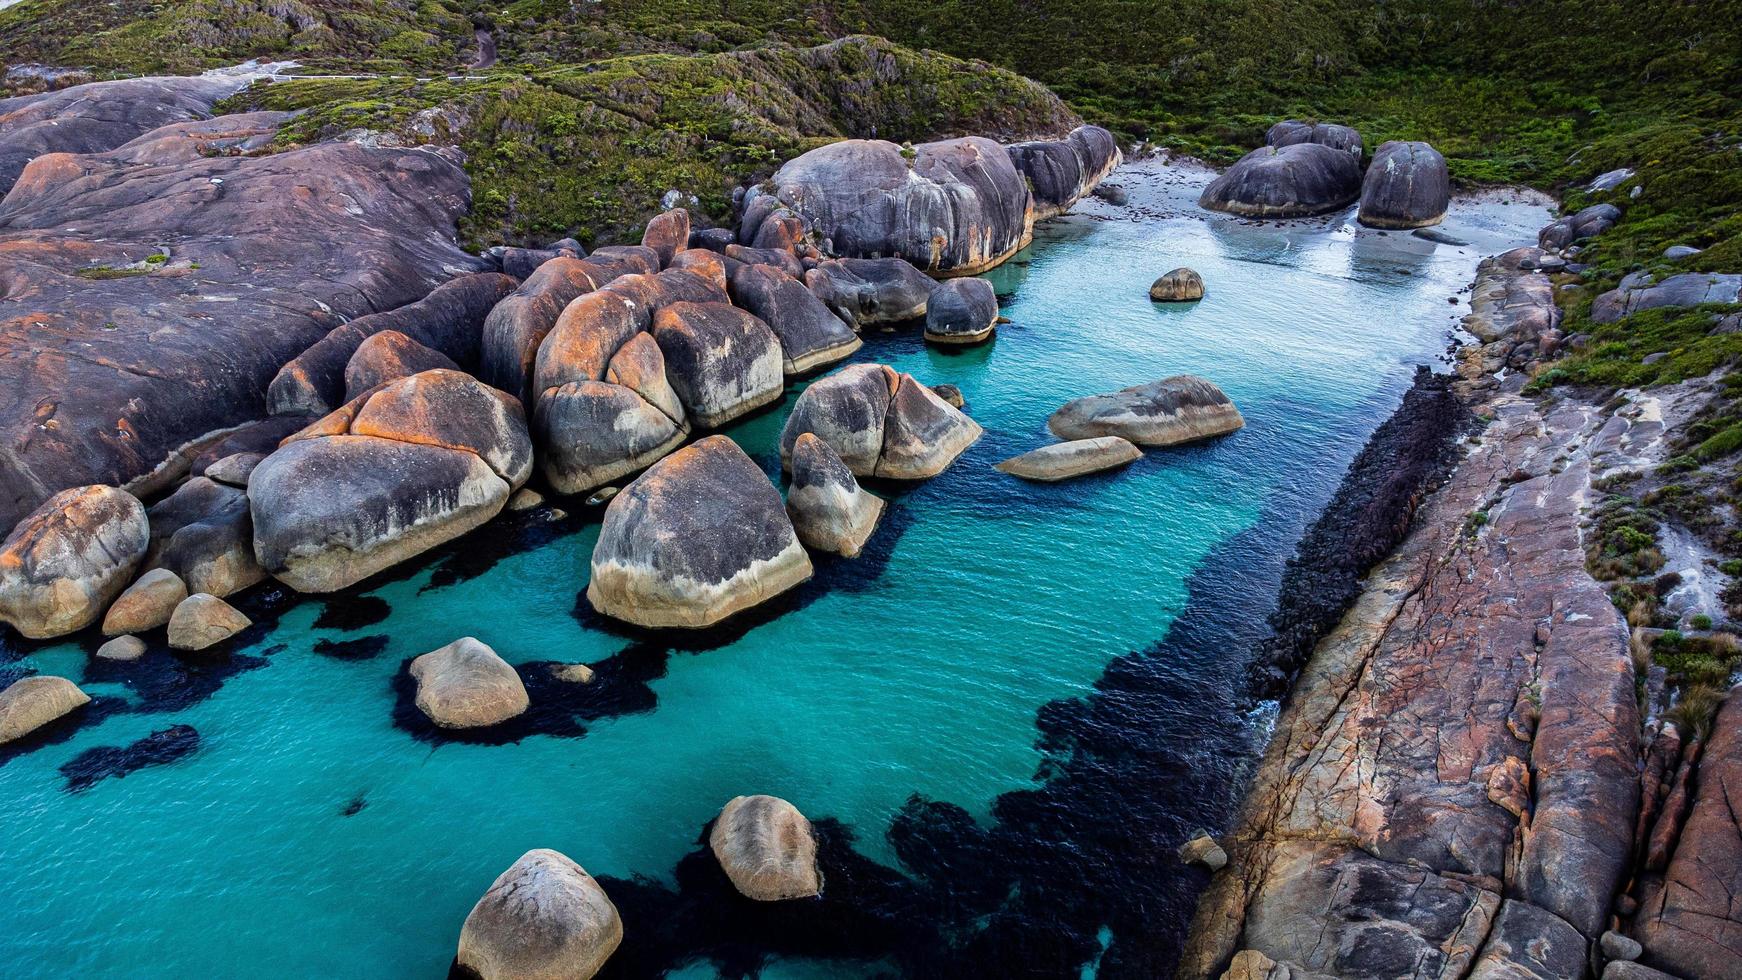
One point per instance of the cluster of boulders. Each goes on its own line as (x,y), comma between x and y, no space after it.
(1102,432)
(547,917)
(1314,168)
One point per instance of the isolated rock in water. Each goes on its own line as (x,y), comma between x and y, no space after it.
(1686,289)
(1337,137)
(829,510)
(518,324)
(389,356)
(1203,849)
(1586,223)
(122,648)
(64,563)
(466,685)
(416,463)
(810,334)
(722,361)
(147,603)
(1179,409)
(881,423)
(544,917)
(961,311)
(202,620)
(1061,172)
(766,847)
(1407,186)
(33,702)
(204,533)
(449,320)
(1291,181)
(1064,460)
(951,395)
(1182,285)
(701,535)
(953,207)
(868,291)
(233,470)
(668,234)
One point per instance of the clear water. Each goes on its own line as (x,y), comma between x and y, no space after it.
(922,676)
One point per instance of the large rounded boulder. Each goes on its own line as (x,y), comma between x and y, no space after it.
(668,234)
(1062,172)
(33,702)
(1407,186)
(67,560)
(543,918)
(389,356)
(881,423)
(1174,410)
(1181,285)
(466,685)
(767,849)
(868,291)
(1290,132)
(961,311)
(722,361)
(811,335)
(147,603)
(1291,181)
(518,324)
(387,476)
(698,537)
(829,510)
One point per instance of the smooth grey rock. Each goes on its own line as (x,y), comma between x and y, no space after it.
(1618,947)
(767,849)
(1292,181)
(147,604)
(961,311)
(829,510)
(951,395)
(1681,252)
(33,702)
(233,470)
(544,917)
(1168,412)
(1338,137)
(204,534)
(780,258)
(122,648)
(389,356)
(65,562)
(1113,194)
(466,685)
(1626,970)
(1065,460)
(202,620)
(698,537)
(722,361)
(922,435)
(1407,186)
(810,334)
(1439,237)
(1587,223)
(1061,172)
(881,423)
(1686,289)
(1182,285)
(868,291)
(1610,180)
(712,239)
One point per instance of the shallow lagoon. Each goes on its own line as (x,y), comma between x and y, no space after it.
(309,835)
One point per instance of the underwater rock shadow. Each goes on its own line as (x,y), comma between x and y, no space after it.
(160,748)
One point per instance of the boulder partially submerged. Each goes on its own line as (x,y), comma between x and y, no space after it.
(147,603)
(829,510)
(544,917)
(811,335)
(961,311)
(1065,460)
(33,702)
(1292,181)
(64,563)
(698,537)
(1407,186)
(1183,408)
(466,685)
(205,534)
(1338,137)
(881,423)
(870,291)
(766,848)
(203,620)
(1182,285)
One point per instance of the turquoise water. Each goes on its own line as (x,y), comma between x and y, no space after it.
(918,670)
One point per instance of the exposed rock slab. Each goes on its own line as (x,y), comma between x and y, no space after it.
(544,917)
(1175,410)
(63,565)
(811,335)
(519,323)
(1512,311)
(1686,289)
(722,361)
(1067,460)
(389,356)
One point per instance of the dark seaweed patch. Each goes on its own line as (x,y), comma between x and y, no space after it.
(359,648)
(354,807)
(348,612)
(157,749)
(620,686)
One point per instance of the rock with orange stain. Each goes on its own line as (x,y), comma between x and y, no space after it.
(811,335)
(881,423)
(668,234)
(519,323)
(64,563)
(389,356)
(722,361)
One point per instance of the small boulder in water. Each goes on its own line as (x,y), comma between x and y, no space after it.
(543,917)
(1182,285)
(122,648)
(766,848)
(202,620)
(961,311)
(1064,460)
(829,510)
(466,685)
(1203,850)
(881,423)
(147,603)
(33,702)
(951,395)
(1174,410)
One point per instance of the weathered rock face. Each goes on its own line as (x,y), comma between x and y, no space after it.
(668,234)
(203,532)
(233,470)
(164,353)
(868,291)
(466,685)
(122,648)
(1061,172)
(1292,131)
(1687,289)
(63,565)
(523,262)
(1291,181)
(1512,310)
(543,917)
(961,311)
(1407,186)
(881,423)
(957,207)
(147,603)
(1587,223)
(811,335)
(780,229)
(418,462)
(389,356)
(33,702)
(701,535)
(721,361)
(518,324)
(1182,285)
(1179,409)
(765,846)
(703,263)
(448,320)
(202,620)
(780,258)
(1065,460)
(829,510)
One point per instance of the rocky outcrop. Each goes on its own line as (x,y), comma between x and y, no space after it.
(543,917)
(1183,408)
(1574,228)
(1062,172)
(721,361)
(64,563)
(33,702)
(766,848)
(1067,460)
(522,262)
(448,320)
(389,356)
(811,335)
(202,620)
(1337,137)
(1512,311)
(1293,181)
(1686,289)
(519,323)
(698,537)
(147,603)
(863,292)
(1407,186)
(829,510)
(387,476)
(881,423)
(204,533)
(1182,285)
(961,311)
(466,685)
